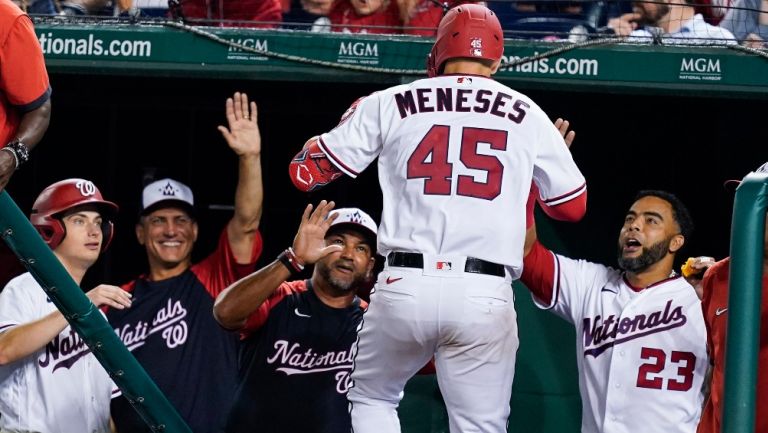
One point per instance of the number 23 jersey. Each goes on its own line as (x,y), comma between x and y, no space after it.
(457,154)
(641,353)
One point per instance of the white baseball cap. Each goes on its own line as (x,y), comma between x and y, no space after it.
(167,193)
(356,218)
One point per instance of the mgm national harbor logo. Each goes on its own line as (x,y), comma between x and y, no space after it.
(237,53)
(700,69)
(358,53)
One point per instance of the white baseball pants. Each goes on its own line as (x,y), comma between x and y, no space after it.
(466,321)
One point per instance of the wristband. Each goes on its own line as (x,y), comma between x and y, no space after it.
(288,259)
(294,258)
(20,150)
(15,158)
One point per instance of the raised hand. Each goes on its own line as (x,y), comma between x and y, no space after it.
(309,243)
(111,296)
(625,24)
(243,134)
(693,271)
(562,125)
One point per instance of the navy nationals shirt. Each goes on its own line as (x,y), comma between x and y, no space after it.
(296,359)
(171,331)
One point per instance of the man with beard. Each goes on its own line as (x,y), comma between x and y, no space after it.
(671,22)
(640,333)
(298,335)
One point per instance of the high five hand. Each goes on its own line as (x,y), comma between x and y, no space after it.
(309,243)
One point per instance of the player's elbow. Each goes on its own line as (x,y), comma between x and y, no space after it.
(5,359)
(226,316)
(7,354)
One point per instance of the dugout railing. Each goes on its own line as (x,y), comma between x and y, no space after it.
(86,319)
(744,301)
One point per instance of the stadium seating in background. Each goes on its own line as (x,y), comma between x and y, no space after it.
(550,19)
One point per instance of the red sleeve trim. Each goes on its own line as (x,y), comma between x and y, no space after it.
(572,210)
(335,160)
(567,196)
(37,103)
(541,274)
(220,269)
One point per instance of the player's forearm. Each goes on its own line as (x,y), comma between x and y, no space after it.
(573,210)
(34,124)
(237,302)
(249,198)
(538,269)
(26,339)
(311,169)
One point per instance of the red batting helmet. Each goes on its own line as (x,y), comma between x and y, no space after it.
(468,31)
(65,195)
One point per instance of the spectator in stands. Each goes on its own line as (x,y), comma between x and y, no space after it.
(365,16)
(170,328)
(235,13)
(671,22)
(305,12)
(421,17)
(713,11)
(317,317)
(749,23)
(146,8)
(37,7)
(85,7)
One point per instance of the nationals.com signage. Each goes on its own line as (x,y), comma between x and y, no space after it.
(329,57)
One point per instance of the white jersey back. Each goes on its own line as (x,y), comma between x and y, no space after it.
(61,388)
(456,158)
(642,356)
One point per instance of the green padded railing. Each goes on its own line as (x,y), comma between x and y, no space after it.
(745,283)
(86,319)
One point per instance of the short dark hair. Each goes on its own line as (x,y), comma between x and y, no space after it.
(679,210)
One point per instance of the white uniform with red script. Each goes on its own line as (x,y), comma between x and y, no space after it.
(641,353)
(456,159)
(60,388)
(457,155)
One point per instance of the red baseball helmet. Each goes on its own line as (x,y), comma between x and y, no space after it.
(469,31)
(62,196)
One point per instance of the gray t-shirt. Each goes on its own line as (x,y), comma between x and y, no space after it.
(745,20)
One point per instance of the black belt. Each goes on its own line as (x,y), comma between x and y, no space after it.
(472,265)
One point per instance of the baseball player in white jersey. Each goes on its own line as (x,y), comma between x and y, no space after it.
(640,333)
(49,380)
(457,155)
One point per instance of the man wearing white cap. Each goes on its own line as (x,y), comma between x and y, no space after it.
(298,336)
(171,330)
